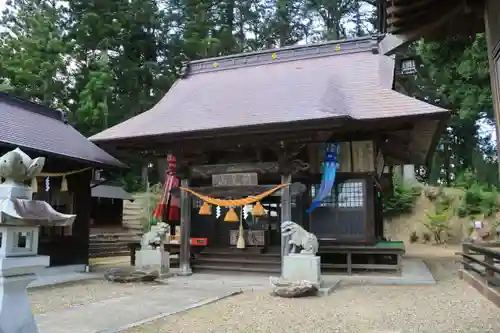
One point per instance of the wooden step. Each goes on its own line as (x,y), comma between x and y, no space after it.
(231,250)
(108,247)
(208,268)
(236,252)
(240,257)
(106,254)
(237,261)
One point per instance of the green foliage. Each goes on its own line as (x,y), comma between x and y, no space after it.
(478,201)
(148,201)
(33,49)
(402,199)
(108,62)
(438,224)
(454,74)
(443,203)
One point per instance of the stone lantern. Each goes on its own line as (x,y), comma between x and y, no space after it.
(20,219)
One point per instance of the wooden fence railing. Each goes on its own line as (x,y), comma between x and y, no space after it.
(483,260)
(481,268)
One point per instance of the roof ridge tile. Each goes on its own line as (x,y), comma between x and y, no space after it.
(279,55)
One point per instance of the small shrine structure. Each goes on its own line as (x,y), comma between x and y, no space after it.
(65,181)
(300,134)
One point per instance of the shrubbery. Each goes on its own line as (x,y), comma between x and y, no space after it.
(478,199)
(402,200)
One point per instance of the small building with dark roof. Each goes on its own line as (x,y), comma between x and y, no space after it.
(269,114)
(42,131)
(107,206)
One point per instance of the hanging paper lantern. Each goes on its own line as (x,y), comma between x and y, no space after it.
(205,209)
(231,216)
(258,210)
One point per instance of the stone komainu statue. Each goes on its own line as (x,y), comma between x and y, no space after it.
(155,237)
(299,238)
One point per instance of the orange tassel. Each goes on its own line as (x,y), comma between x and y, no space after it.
(258,210)
(205,209)
(231,216)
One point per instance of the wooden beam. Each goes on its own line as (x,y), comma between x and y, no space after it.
(393,42)
(407,7)
(206,171)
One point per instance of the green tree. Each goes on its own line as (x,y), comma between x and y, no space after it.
(34,52)
(454,74)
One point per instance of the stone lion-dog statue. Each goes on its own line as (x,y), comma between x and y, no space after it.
(155,237)
(298,238)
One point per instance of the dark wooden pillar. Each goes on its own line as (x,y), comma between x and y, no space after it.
(80,186)
(145,177)
(286,208)
(185,251)
(492,25)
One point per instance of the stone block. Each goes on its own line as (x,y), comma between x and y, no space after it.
(299,267)
(157,259)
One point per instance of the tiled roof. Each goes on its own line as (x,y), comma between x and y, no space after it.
(312,82)
(33,126)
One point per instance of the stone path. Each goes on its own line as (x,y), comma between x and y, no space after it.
(102,307)
(114,314)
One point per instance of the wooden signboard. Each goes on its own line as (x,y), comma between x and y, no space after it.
(235,179)
(344,157)
(355,156)
(207,171)
(363,156)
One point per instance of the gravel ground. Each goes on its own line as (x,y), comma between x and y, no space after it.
(449,306)
(53,298)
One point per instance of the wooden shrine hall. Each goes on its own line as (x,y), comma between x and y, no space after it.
(241,125)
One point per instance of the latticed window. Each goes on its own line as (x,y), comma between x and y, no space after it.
(328,201)
(349,194)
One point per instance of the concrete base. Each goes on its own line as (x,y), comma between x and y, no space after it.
(157,259)
(297,267)
(327,288)
(15,309)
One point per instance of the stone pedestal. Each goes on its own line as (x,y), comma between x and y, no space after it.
(15,276)
(298,267)
(20,217)
(157,259)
